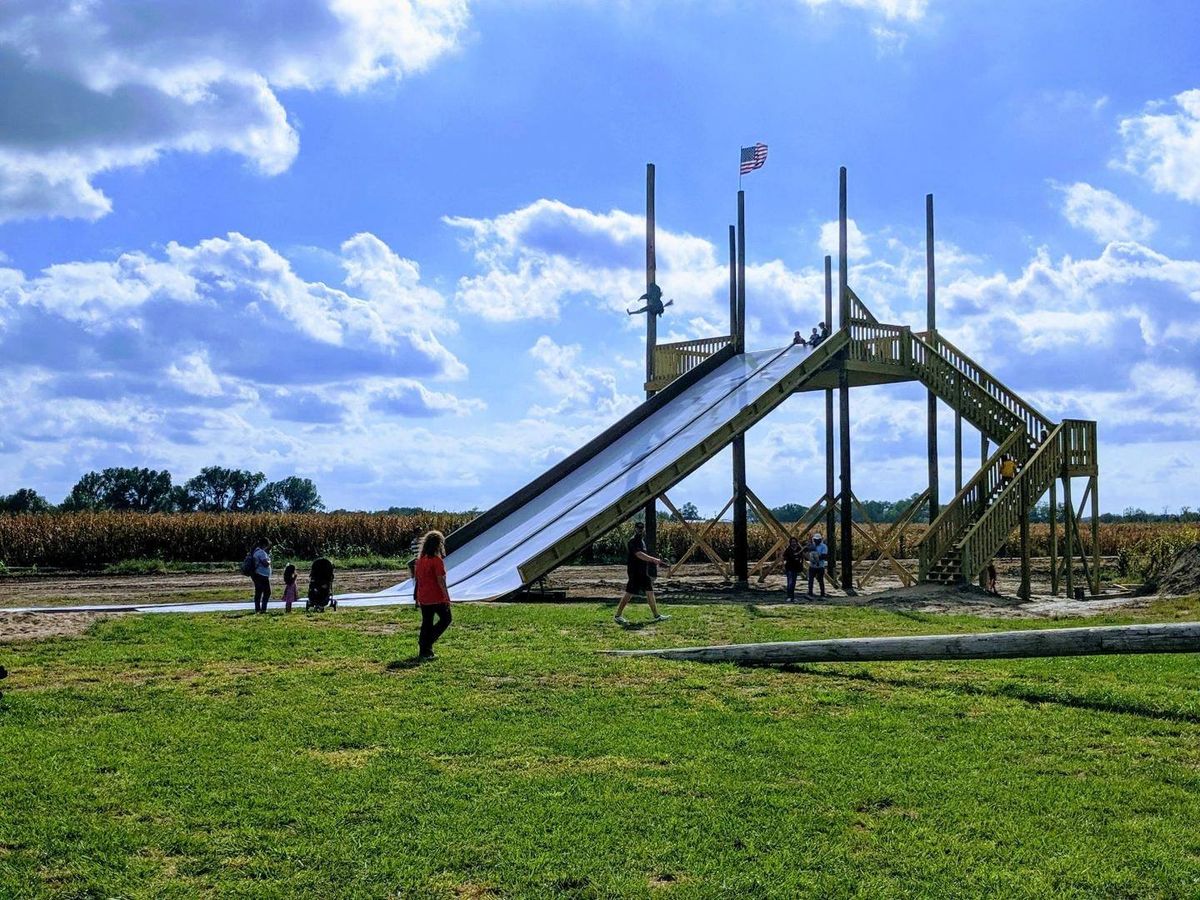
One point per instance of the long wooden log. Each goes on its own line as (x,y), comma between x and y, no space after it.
(1173,638)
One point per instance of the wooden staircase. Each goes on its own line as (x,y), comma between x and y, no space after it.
(971,528)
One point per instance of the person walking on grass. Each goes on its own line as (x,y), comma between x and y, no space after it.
(261,576)
(818,559)
(637,569)
(793,565)
(431,594)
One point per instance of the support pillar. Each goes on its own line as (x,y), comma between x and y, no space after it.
(830,513)
(1024,591)
(1054,536)
(983,449)
(650,512)
(958,468)
(1093,485)
(1068,544)
(846,537)
(741,549)
(931,327)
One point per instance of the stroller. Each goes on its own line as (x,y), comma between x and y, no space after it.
(320,586)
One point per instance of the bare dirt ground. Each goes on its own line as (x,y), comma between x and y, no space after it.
(694,584)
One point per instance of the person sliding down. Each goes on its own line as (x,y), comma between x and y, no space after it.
(637,566)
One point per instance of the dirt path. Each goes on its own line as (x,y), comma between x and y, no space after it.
(694,584)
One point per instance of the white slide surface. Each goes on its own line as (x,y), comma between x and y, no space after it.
(486,567)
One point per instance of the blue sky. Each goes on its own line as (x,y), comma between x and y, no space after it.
(387,245)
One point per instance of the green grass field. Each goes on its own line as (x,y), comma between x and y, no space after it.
(180,756)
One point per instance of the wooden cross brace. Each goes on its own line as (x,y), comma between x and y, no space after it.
(699,540)
(884,544)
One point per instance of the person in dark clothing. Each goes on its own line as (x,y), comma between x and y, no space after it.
(261,576)
(818,559)
(637,567)
(431,594)
(793,565)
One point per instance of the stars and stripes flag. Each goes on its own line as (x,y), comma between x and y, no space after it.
(753,158)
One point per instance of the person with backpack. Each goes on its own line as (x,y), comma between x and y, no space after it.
(259,564)
(431,595)
(793,565)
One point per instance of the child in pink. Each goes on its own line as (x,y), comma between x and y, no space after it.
(289,587)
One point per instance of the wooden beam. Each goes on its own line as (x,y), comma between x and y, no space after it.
(830,511)
(699,542)
(931,327)
(650,513)
(1038,642)
(844,537)
(1095,489)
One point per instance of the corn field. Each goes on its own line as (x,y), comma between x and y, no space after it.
(93,540)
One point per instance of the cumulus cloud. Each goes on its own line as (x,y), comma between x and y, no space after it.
(109,84)
(856,241)
(892,10)
(576,388)
(1162,144)
(1104,214)
(217,347)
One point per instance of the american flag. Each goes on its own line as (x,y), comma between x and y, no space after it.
(753,158)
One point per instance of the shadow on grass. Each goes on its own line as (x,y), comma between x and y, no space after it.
(396,665)
(1011,692)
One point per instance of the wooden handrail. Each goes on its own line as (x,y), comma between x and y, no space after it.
(966,508)
(679,357)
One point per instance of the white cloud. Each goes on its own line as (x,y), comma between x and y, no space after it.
(856,241)
(578,389)
(892,10)
(1104,214)
(1163,145)
(109,84)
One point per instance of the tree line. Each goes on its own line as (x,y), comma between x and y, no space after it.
(215,489)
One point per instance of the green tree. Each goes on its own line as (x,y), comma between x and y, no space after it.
(292,494)
(26,500)
(217,489)
(143,490)
(87,494)
(789,512)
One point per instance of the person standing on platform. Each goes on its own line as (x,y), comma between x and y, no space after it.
(793,566)
(818,559)
(431,594)
(637,568)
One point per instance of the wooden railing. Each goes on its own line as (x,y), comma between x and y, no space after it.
(1035,423)
(858,310)
(1073,438)
(1079,447)
(872,342)
(680,357)
(967,507)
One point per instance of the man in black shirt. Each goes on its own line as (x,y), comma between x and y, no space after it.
(637,567)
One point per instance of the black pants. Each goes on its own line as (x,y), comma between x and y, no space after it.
(430,631)
(819,575)
(262,592)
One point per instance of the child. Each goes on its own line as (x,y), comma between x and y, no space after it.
(289,587)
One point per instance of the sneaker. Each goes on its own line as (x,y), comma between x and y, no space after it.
(620,620)
(660,618)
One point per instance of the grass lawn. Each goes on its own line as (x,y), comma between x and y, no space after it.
(233,755)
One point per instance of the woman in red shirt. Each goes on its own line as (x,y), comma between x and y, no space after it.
(431,594)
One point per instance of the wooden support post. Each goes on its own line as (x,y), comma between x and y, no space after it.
(733,285)
(846,537)
(650,512)
(741,549)
(983,449)
(1068,527)
(1024,591)
(1094,488)
(1054,536)
(931,327)
(1035,642)
(958,468)
(830,510)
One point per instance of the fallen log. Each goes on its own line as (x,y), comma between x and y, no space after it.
(1172,638)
